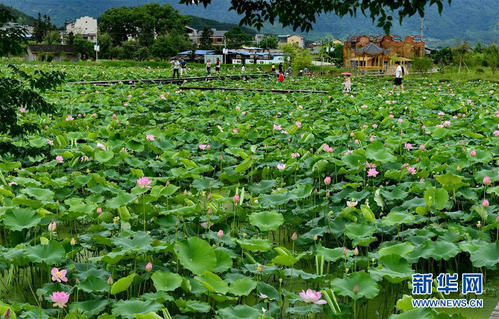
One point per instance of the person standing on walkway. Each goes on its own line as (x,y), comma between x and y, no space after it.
(281,70)
(176,68)
(273,68)
(217,66)
(399,73)
(183,68)
(208,67)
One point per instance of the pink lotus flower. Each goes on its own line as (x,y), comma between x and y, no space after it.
(372,172)
(143,182)
(236,198)
(423,127)
(469,101)
(348,152)
(238,108)
(404,165)
(148,267)
(204,146)
(441,113)
(277,127)
(150,137)
(473,153)
(235,130)
(22,110)
(52,227)
(163,97)
(356,141)
(295,155)
(110,280)
(400,120)
(12,183)
(101,146)
(84,158)
(485,203)
(486,180)
(356,251)
(327,180)
(59,276)
(294,236)
(50,142)
(129,96)
(446,123)
(352,203)
(59,298)
(371,138)
(327,148)
(263,296)
(220,233)
(46,127)
(243,112)
(408,146)
(114,116)
(390,115)
(281,166)
(421,147)
(69,118)
(99,210)
(411,170)
(363,106)
(375,126)
(126,104)
(311,296)
(298,124)
(496,133)
(59,159)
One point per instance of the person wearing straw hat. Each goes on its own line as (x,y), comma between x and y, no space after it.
(347,85)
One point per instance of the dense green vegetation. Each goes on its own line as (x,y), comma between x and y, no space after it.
(154,202)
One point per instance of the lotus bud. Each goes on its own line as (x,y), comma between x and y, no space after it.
(244,235)
(52,227)
(294,236)
(99,210)
(327,180)
(73,241)
(473,153)
(486,180)
(148,267)
(345,251)
(328,194)
(479,224)
(110,280)
(220,233)
(356,251)
(209,210)
(316,237)
(356,289)
(485,203)
(235,199)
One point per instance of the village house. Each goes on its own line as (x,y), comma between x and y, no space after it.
(377,52)
(291,39)
(196,35)
(84,26)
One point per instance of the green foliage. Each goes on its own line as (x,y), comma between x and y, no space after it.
(169,45)
(52,37)
(42,26)
(421,64)
(237,37)
(83,47)
(268,42)
(206,41)
(143,23)
(12,39)
(300,58)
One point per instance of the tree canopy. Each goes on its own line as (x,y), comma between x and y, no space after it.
(144,23)
(301,14)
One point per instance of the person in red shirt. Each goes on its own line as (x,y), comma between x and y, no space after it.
(280,79)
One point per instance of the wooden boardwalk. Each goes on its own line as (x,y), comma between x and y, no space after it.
(495,313)
(251,90)
(170,80)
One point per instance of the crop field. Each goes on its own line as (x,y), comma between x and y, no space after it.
(152,202)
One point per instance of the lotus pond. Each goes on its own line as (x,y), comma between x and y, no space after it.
(151,202)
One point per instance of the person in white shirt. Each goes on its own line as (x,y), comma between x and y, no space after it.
(399,73)
(176,68)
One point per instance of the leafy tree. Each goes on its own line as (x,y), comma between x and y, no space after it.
(236,37)
(492,57)
(70,37)
(459,53)
(301,14)
(144,23)
(130,48)
(52,37)
(19,89)
(41,27)
(206,41)
(269,42)
(105,45)
(83,47)
(300,58)
(421,64)
(169,45)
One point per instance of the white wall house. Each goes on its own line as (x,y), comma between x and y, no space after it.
(85,26)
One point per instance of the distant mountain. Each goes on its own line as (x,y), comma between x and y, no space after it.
(471,20)
(199,23)
(19,16)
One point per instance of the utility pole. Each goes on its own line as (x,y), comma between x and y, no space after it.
(421,28)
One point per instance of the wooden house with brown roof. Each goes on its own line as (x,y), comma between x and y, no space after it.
(375,52)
